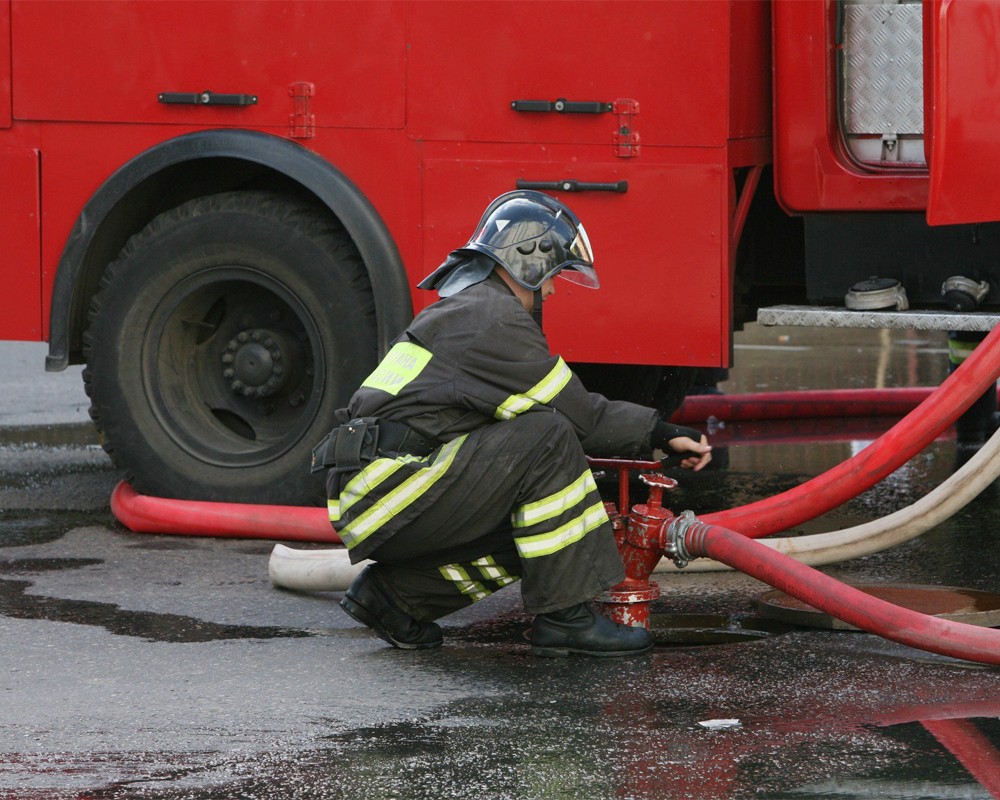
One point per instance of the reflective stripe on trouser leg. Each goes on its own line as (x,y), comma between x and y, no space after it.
(529,472)
(428,593)
(397,490)
(561,531)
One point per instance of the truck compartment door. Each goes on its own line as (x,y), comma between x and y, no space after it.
(964,111)
(656,246)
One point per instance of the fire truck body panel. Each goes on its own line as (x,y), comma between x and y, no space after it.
(126,54)
(849,72)
(964,92)
(368,136)
(813,169)
(353,55)
(691,217)
(5,81)
(465,67)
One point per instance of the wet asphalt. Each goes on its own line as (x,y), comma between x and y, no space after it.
(154,666)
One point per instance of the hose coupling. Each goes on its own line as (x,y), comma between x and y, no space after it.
(674,544)
(963,294)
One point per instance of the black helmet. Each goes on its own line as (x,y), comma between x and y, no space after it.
(533,237)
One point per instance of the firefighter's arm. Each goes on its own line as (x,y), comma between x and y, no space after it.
(512,372)
(512,358)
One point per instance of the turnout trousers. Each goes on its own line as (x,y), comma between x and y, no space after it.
(512,500)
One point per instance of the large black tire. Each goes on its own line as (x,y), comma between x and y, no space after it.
(221,342)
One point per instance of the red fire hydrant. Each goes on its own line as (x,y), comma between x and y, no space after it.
(641,542)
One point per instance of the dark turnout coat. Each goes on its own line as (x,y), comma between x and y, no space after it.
(507,480)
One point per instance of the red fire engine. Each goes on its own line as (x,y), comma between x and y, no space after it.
(222,208)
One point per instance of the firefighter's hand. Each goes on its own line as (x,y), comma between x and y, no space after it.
(693,455)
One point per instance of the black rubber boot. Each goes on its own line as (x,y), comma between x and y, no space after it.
(369,604)
(579,629)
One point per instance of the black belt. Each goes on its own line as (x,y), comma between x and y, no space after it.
(360,441)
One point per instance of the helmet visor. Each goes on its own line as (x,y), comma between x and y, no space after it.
(581,246)
(580,269)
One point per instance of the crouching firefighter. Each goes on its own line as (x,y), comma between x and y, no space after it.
(459,465)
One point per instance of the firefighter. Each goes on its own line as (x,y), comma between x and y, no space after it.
(459,465)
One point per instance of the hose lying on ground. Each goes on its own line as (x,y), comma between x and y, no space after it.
(886,454)
(144,514)
(781,512)
(880,534)
(330,570)
(864,611)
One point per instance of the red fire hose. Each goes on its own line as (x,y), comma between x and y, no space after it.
(145,514)
(933,634)
(886,454)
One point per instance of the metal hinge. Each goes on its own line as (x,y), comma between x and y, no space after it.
(626,138)
(301,122)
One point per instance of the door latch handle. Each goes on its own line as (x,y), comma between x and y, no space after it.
(562,106)
(206,99)
(619,187)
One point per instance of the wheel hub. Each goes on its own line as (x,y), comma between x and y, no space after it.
(254,363)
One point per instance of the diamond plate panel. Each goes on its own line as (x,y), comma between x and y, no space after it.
(830,317)
(883,66)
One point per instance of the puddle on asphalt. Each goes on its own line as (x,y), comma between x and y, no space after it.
(704,630)
(667,629)
(16,601)
(32,527)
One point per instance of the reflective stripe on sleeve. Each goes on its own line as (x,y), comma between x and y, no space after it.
(400,498)
(555,504)
(543,544)
(542,392)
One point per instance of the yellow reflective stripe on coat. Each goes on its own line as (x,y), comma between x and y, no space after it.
(555,504)
(544,544)
(362,483)
(542,392)
(470,588)
(400,498)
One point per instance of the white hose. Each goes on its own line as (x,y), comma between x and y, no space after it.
(330,570)
(888,531)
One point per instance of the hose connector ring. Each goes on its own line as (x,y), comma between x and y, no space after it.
(674,545)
